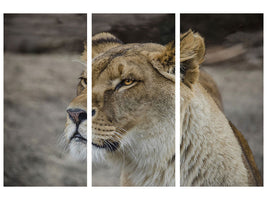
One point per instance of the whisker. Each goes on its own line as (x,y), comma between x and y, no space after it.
(118,134)
(122,129)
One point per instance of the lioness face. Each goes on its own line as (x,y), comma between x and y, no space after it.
(75,133)
(128,94)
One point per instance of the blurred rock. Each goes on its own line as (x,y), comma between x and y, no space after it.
(43,33)
(132,28)
(216,27)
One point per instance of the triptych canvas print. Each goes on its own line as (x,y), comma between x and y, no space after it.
(143,127)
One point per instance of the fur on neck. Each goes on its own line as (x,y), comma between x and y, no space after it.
(209,152)
(146,156)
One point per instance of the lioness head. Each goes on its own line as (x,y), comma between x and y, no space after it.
(75,133)
(133,93)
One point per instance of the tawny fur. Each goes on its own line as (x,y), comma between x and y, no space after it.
(102,42)
(211,151)
(140,117)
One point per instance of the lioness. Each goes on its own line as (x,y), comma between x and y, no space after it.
(133,98)
(212,151)
(75,132)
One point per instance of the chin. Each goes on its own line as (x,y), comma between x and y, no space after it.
(76,141)
(78,150)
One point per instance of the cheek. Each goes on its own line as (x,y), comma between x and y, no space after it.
(121,107)
(133,102)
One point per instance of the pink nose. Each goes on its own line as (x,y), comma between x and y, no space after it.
(77,115)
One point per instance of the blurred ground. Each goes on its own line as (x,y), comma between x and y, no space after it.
(38,88)
(40,80)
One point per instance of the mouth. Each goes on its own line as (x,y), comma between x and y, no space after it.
(109,146)
(77,137)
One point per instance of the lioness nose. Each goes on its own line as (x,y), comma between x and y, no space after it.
(77,115)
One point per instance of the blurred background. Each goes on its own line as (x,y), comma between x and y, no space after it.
(40,80)
(136,28)
(234,58)
(130,28)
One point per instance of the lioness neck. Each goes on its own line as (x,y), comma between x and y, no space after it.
(210,153)
(151,159)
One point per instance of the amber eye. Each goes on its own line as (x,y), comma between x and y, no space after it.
(127,82)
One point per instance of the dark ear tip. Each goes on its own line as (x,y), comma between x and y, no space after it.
(186,34)
(192,53)
(171,45)
(192,47)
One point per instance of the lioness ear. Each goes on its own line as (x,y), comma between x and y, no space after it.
(102,42)
(165,61)
(192,52)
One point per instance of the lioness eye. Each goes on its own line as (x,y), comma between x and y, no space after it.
(127,82)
